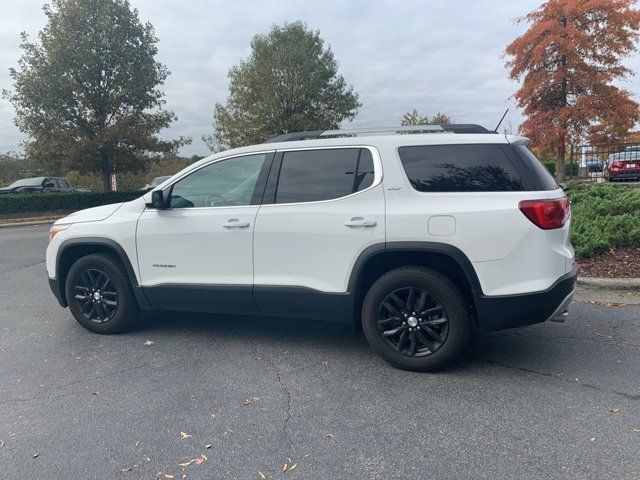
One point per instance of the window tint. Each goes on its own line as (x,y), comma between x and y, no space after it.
(224,183)
(459,168)
(314,175)
(544,179)
(364,172)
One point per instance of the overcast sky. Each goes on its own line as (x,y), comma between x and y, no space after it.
(435,55)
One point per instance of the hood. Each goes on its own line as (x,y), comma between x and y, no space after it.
(6,190)
(94,214)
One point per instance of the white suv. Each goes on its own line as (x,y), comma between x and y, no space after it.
(417,234)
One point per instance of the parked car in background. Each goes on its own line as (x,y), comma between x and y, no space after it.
(38,185)
(623,165)
(593,164)
(154,183)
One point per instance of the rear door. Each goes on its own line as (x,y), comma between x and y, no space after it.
(322,208)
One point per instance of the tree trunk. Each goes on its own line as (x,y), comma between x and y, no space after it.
(560,171)
(106,173)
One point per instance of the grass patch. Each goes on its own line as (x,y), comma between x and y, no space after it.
(604,216)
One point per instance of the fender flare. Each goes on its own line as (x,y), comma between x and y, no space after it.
(417,246)
(112,245)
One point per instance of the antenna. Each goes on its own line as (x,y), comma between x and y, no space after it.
(500,122)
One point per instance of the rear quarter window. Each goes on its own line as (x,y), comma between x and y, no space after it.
(460,168)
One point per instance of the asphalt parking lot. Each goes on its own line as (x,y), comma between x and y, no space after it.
(236,397)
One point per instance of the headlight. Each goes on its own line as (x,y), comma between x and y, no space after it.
(56,229)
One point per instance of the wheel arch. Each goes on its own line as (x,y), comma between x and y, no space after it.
(73,249)
(443,258)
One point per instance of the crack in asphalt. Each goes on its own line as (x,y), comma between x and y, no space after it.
(88,379)
(288,398)
(4,273)
(629,396)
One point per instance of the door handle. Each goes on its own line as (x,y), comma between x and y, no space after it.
(235,223)
(360,222)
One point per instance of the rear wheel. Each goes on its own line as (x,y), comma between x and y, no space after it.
(99,294)
(416,319)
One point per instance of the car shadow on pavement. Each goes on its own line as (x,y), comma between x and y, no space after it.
(321,336)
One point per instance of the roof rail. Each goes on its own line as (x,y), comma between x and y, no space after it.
(316,134)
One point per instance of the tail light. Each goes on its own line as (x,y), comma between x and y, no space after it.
(546,214)
(616,164)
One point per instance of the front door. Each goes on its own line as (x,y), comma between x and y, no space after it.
(197,254)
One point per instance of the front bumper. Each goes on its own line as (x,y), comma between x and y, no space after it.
(54,285)
(511,311)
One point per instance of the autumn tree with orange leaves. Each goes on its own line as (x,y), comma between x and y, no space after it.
(566,62)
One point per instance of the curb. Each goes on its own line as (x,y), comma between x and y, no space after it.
(43,221)
(610,283)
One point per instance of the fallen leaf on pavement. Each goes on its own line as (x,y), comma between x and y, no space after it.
(615,410)
(184,436)
(261,475)
(293,467)
(600,334)
(306,455)
(637,430)
(125,469)
(207,446)
(149,342)
(1,443)
(592,439)
(96,393)
(328,435)
(35,455)
(284,468)
(247,401)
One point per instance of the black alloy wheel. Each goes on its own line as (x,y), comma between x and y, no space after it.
(413,322)
(95,295)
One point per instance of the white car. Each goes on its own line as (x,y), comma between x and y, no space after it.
(417,234)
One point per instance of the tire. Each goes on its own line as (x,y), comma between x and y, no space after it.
(99,294)
(434,337)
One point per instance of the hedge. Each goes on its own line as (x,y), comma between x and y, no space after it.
(39,202)
(603,216)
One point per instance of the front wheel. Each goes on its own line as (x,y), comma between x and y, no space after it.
(416,319)
(99,294)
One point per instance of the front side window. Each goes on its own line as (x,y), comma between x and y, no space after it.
(222,184)
(323,174)
(460,168)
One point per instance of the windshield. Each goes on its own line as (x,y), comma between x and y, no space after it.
(158,180)
(28,182)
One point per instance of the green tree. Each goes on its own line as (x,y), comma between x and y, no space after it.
(414,118)
(289,83)
(87,92)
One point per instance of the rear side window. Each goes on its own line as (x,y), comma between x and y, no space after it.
(324,174)
(544,179)
(460,168)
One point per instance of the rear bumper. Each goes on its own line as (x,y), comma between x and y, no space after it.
(623,174)
(511,311)
(55,288)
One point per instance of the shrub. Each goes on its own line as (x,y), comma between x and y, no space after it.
(604,216)
(39,202)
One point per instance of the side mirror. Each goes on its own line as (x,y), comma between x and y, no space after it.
(157,200)
(563,186)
